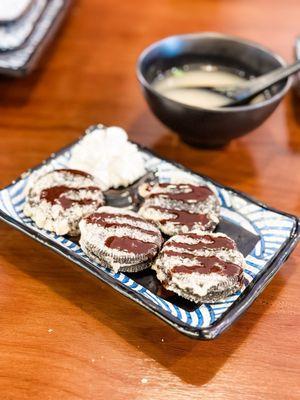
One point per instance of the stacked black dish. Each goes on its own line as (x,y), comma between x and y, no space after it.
(26,26)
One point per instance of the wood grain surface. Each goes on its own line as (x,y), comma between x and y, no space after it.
(65,335)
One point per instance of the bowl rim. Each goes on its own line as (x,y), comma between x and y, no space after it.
(221,36)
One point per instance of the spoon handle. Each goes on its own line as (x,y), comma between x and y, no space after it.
(258,85)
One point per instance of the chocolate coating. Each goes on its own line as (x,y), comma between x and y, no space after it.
(204,242)
(208,265)
(181,216)
(57,195)
(131,245)
(75,172)
(182,192)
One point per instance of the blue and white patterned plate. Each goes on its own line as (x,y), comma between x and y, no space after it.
(264,235)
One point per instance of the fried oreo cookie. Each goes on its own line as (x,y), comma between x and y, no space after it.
(59,199)
(201,267)
(180,208)
(120,239)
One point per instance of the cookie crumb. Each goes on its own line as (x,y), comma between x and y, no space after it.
(144,380)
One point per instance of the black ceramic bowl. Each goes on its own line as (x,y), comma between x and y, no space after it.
(217,126)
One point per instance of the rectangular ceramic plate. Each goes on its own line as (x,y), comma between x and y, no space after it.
(265,236)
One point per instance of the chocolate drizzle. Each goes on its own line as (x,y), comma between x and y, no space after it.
(208,265)
(203,242)
(140,238)
(128,226)
(130,245)
(75,172)
(180,207)
(207,269)
(182,216)
(103,219)
(58,195)
(182,192)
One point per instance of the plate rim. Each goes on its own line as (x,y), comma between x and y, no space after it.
(239,306)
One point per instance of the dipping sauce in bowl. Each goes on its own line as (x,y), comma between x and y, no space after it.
(167,67)
(183,84)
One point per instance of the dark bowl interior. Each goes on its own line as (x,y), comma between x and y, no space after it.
(217,126)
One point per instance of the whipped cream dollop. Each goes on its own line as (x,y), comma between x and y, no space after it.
(107,154)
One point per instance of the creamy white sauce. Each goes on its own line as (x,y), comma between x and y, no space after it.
(181,85)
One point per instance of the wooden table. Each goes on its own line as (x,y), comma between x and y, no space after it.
(65,335)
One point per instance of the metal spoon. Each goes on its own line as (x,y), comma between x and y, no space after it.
(296,83)
(246,92)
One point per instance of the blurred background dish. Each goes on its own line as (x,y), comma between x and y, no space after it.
(13,35)
(208,126)
(23,40)
(11,10)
